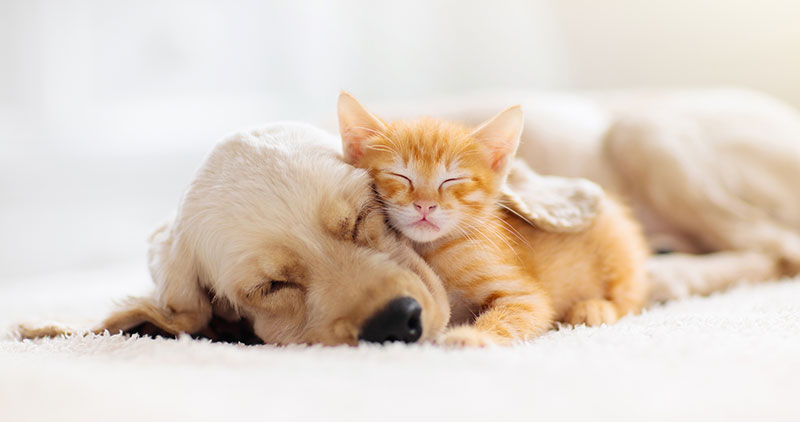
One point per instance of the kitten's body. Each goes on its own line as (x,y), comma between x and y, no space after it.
(509,281)
(562,270)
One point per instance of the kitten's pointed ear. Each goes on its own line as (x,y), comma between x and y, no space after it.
(500,135)
(356,125)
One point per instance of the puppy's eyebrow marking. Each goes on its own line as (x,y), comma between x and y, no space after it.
(361,214)
(344,227)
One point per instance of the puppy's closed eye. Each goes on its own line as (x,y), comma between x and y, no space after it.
(279,298)
(277,285)
(272,287)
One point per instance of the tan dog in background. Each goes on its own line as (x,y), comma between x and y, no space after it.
(712,175)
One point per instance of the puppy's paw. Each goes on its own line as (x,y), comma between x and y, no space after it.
(466,336)
(592,312)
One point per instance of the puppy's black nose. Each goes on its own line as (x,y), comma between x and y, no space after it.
(399,320)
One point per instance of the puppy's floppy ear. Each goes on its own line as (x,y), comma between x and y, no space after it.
(356,125)
(500,138)
(551,203)
(133,312)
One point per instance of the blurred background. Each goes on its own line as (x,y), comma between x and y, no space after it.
(107,107)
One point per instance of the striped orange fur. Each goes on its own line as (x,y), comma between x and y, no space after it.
(507,281)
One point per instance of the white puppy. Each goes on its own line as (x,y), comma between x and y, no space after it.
(277,230)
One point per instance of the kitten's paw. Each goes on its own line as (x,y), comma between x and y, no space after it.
(465,336)
(592,312)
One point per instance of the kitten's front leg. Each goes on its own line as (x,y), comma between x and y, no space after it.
(508,318)
(467,336)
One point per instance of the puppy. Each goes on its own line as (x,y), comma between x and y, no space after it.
(277,230)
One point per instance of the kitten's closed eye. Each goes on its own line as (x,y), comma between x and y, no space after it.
(451,181)
(401,177)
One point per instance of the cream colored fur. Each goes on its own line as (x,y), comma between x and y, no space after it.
(551,203)
(712,172)
(277,208)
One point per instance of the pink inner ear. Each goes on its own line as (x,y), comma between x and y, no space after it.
(353,152)
(497,158)
(498,163)
(353,144)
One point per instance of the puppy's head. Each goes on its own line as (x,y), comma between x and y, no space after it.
(316,263)
(280,231)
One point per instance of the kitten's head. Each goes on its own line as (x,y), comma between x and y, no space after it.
(435,178)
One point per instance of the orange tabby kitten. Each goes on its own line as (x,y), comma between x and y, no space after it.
(507,280)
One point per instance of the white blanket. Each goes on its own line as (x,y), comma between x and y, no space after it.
(732,356)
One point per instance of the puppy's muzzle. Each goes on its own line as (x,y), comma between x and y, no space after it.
(399,320)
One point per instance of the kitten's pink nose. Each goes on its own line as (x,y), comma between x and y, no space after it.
(425,207)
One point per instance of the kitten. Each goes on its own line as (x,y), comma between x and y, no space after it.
(509,281)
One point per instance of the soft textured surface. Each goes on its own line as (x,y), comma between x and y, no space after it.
(732,356)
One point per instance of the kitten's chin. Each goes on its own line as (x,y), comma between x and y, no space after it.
(422,233)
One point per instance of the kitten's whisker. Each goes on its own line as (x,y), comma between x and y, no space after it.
(383,148)
(500,203)
(488,239)
(496,233)
(517,235)
(382,135)
(466,235)
(509,228)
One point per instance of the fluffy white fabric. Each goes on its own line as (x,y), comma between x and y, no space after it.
(732,356)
